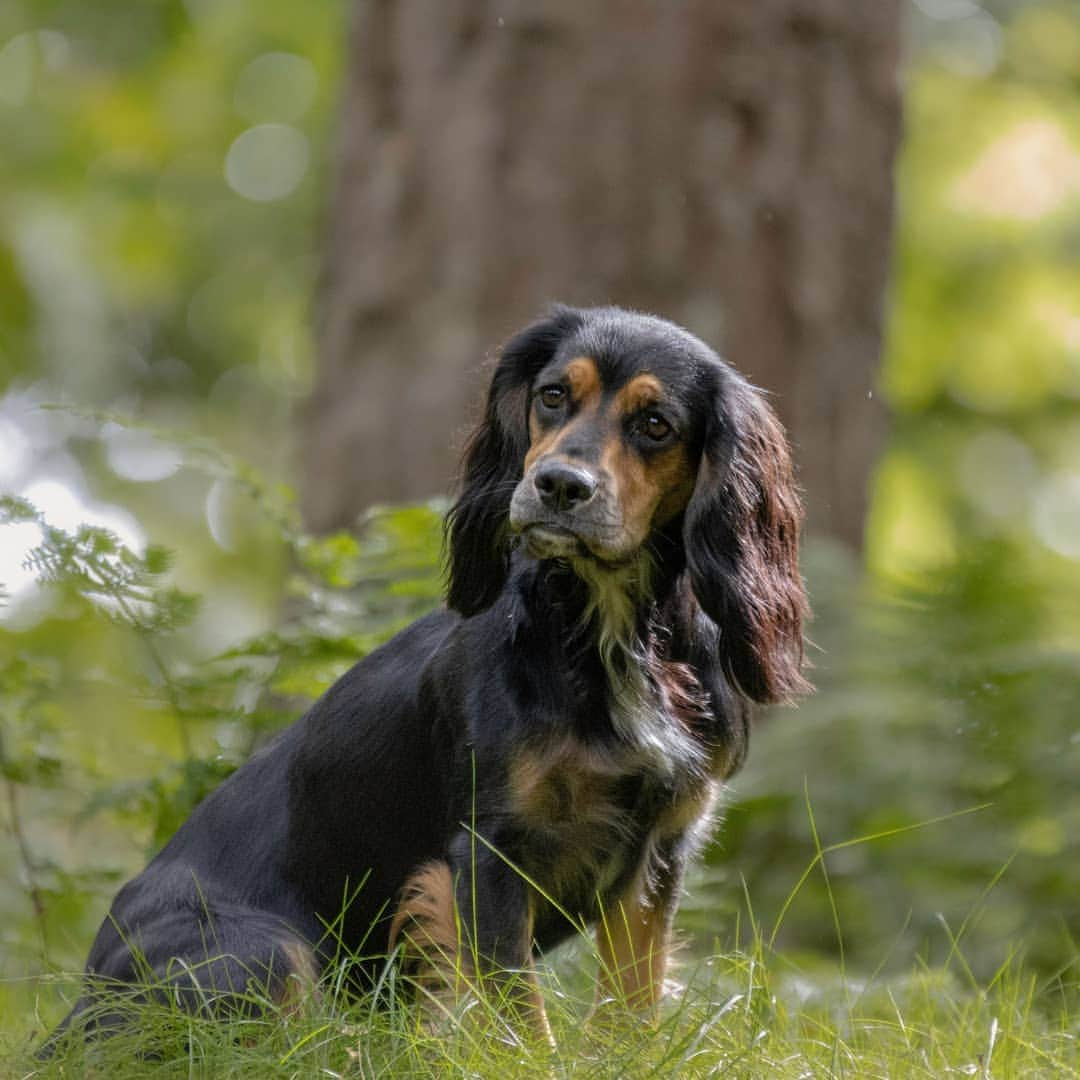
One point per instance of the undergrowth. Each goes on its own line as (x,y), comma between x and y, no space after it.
(751,1014)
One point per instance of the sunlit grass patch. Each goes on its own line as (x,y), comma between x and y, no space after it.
(749,1014)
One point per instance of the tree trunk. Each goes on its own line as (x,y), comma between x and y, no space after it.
(724,163)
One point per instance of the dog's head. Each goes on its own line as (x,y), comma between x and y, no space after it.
(610,437)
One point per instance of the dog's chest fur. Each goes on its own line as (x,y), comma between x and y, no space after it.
(590,810)
(601,776)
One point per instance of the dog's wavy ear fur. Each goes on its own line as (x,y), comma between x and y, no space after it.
(742,546)
(477,532)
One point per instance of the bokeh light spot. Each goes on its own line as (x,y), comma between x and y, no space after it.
(997,471)
(137,455)
(217,516)
(14,452)
(1025,174)
(15,544)
(64,509)
(1056,514)
(267,162)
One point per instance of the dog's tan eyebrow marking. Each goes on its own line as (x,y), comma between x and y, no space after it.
(583,377)
(639,393)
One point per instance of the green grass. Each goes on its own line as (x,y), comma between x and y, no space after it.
(754,1014)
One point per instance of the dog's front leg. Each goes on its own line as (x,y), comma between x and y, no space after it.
(633,935)
(496,918)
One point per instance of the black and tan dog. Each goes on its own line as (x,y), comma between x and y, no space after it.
(623,585)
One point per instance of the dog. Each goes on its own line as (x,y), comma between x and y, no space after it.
(545,752)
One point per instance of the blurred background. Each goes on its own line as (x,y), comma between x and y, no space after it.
(253,258)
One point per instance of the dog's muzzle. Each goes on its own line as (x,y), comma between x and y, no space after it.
(565,511)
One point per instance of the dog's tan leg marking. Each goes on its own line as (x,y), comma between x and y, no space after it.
(441,964)
(427,923)
(302,978)
(528,1006)
(632,939)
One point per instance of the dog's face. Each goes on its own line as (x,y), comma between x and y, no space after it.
(604,428)
(612,454)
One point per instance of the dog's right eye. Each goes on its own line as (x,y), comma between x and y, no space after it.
(552,397)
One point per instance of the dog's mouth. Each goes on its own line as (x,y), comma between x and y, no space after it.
(548,541)
(553,542)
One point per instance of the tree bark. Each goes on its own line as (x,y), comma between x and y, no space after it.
(727,164)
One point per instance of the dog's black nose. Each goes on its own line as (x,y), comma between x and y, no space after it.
(562,487)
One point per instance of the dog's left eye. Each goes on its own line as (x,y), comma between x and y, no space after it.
(553,396)
(653,426)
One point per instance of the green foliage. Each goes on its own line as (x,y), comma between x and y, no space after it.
(201,714)
(938,760)
(983,361)
(944,731)
(745,1014)
(126,239)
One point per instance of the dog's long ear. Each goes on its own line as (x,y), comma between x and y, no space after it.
(742,546)
(477,532)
